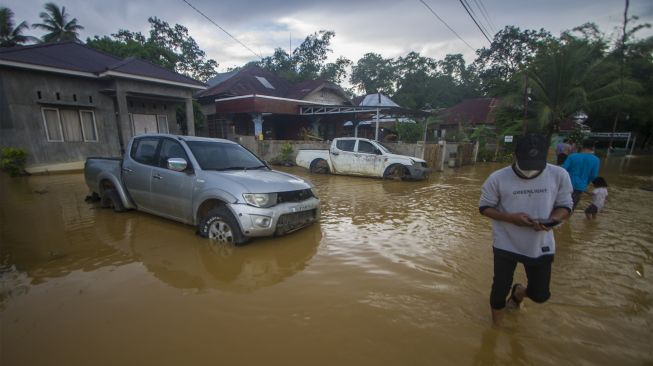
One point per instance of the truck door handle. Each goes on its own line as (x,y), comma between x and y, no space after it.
(157,176)
(127,170)
(335,153)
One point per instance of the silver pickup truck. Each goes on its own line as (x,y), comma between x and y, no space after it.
(217,185)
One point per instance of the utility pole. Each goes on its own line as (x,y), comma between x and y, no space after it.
(622,48)
(525,123)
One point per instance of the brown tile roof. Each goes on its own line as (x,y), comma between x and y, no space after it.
(471,111)
(245,82)
(73,56)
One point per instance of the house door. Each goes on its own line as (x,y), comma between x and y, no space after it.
(149,123)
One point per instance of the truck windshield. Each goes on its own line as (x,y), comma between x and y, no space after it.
(224,156)
(385,148)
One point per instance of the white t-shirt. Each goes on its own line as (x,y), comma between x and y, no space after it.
(537,197)
(598,197)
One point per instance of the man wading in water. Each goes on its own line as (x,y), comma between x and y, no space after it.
(524,201)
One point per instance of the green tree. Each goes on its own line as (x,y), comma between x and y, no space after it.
(373,73)
(566,78)
(57,24)
(509,51)
(307,61)
(414,73)
(126,44)
(191,59)
(167,46)
(10,34)
(336,72)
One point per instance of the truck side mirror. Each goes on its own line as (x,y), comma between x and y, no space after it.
(378,152)
(177,164)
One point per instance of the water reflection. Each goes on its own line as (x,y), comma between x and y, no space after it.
(182,260)
(49,231)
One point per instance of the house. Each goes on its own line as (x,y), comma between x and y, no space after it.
(255,102)
(63,102)
(469,113)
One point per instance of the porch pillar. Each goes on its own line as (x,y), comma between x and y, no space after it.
(257,118)
(190,117)
(315,125)
(123,123)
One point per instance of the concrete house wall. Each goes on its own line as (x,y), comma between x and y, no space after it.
(22,123)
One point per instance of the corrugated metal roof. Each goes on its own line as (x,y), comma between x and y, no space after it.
(377,100)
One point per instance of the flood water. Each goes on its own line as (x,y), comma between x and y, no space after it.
(396,273)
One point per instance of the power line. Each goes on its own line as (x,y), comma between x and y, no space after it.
(447,25)
(222,29)
(481,6)
(485,31)
(475,22)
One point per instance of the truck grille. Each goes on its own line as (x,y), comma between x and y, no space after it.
(294,221)
(294,196)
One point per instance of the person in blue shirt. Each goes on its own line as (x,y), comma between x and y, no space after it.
(583,168)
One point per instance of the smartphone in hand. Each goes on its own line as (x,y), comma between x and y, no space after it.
(548,222)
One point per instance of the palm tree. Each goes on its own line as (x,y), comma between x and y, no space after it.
(55,22)
(560,80)
(9,35)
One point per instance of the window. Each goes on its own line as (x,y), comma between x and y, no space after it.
(366,147)
(72,127)
(52,124)
(69,125)
(346,145)
(89,128)
(162,123)
(171,149)
(144,149)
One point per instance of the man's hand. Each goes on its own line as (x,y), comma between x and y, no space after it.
(519,219)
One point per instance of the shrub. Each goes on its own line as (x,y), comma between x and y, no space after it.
(286,151)
(12,161)
(285,157)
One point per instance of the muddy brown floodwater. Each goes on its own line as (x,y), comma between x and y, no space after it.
(396,273)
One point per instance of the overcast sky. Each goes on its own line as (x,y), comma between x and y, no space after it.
(391,28)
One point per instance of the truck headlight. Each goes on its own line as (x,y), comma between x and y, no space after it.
(261,199)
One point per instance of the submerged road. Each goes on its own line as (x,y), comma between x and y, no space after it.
(396,273)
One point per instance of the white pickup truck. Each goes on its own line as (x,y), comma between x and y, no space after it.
(359,156)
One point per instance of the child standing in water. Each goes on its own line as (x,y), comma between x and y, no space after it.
(599,195)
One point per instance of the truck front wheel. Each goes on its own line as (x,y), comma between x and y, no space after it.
(396,172)
(219,224)
(111,199)
(320,166)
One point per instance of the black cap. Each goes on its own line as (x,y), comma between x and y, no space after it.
(531,151)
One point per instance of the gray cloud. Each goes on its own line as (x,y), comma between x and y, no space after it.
(391,28)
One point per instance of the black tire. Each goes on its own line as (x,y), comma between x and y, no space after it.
(219,224)
(320,166)
(111,199)
(396,172)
